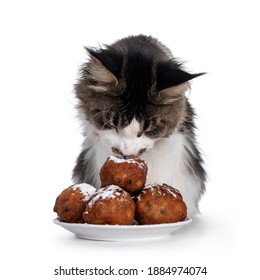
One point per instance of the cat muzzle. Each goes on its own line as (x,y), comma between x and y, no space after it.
(120,154)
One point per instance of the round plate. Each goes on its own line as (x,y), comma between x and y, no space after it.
(121,233)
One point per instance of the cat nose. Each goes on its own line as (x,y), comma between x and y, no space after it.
(127,155)
(119,153)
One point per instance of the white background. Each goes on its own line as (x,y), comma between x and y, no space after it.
(41,50)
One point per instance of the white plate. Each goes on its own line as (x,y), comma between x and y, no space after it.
(121,233)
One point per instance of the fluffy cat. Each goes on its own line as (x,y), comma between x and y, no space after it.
(132,102)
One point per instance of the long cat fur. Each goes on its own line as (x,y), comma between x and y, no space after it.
(132,102)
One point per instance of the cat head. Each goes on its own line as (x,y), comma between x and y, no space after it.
(132,92)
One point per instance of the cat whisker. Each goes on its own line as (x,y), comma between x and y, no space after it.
(93,116)
(105,112)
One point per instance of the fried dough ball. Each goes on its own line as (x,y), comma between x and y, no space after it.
(158,204)
(110,205)
(71,203)
(129,174)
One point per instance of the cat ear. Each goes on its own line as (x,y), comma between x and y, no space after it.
(169,73)
(172,81)
(105,65)
(98,72)
(172,94)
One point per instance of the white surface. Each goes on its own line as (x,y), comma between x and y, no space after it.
(122,233)
(40,51)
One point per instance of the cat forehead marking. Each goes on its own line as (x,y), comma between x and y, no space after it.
(131,130)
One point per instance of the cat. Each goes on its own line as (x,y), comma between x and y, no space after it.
(131,101)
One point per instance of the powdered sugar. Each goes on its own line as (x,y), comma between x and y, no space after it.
(148,186)
(130,160)
(161,189)
(109,192)
(86,189)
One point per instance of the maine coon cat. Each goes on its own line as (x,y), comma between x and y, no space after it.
(132,102)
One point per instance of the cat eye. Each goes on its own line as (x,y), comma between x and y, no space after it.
(146,125)
(112,126)
(141,151)
(115,120)
(139,134)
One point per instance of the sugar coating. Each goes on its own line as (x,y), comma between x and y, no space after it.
(148,186)
(85,189)
(159,189)
(109,192)
(130,160)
